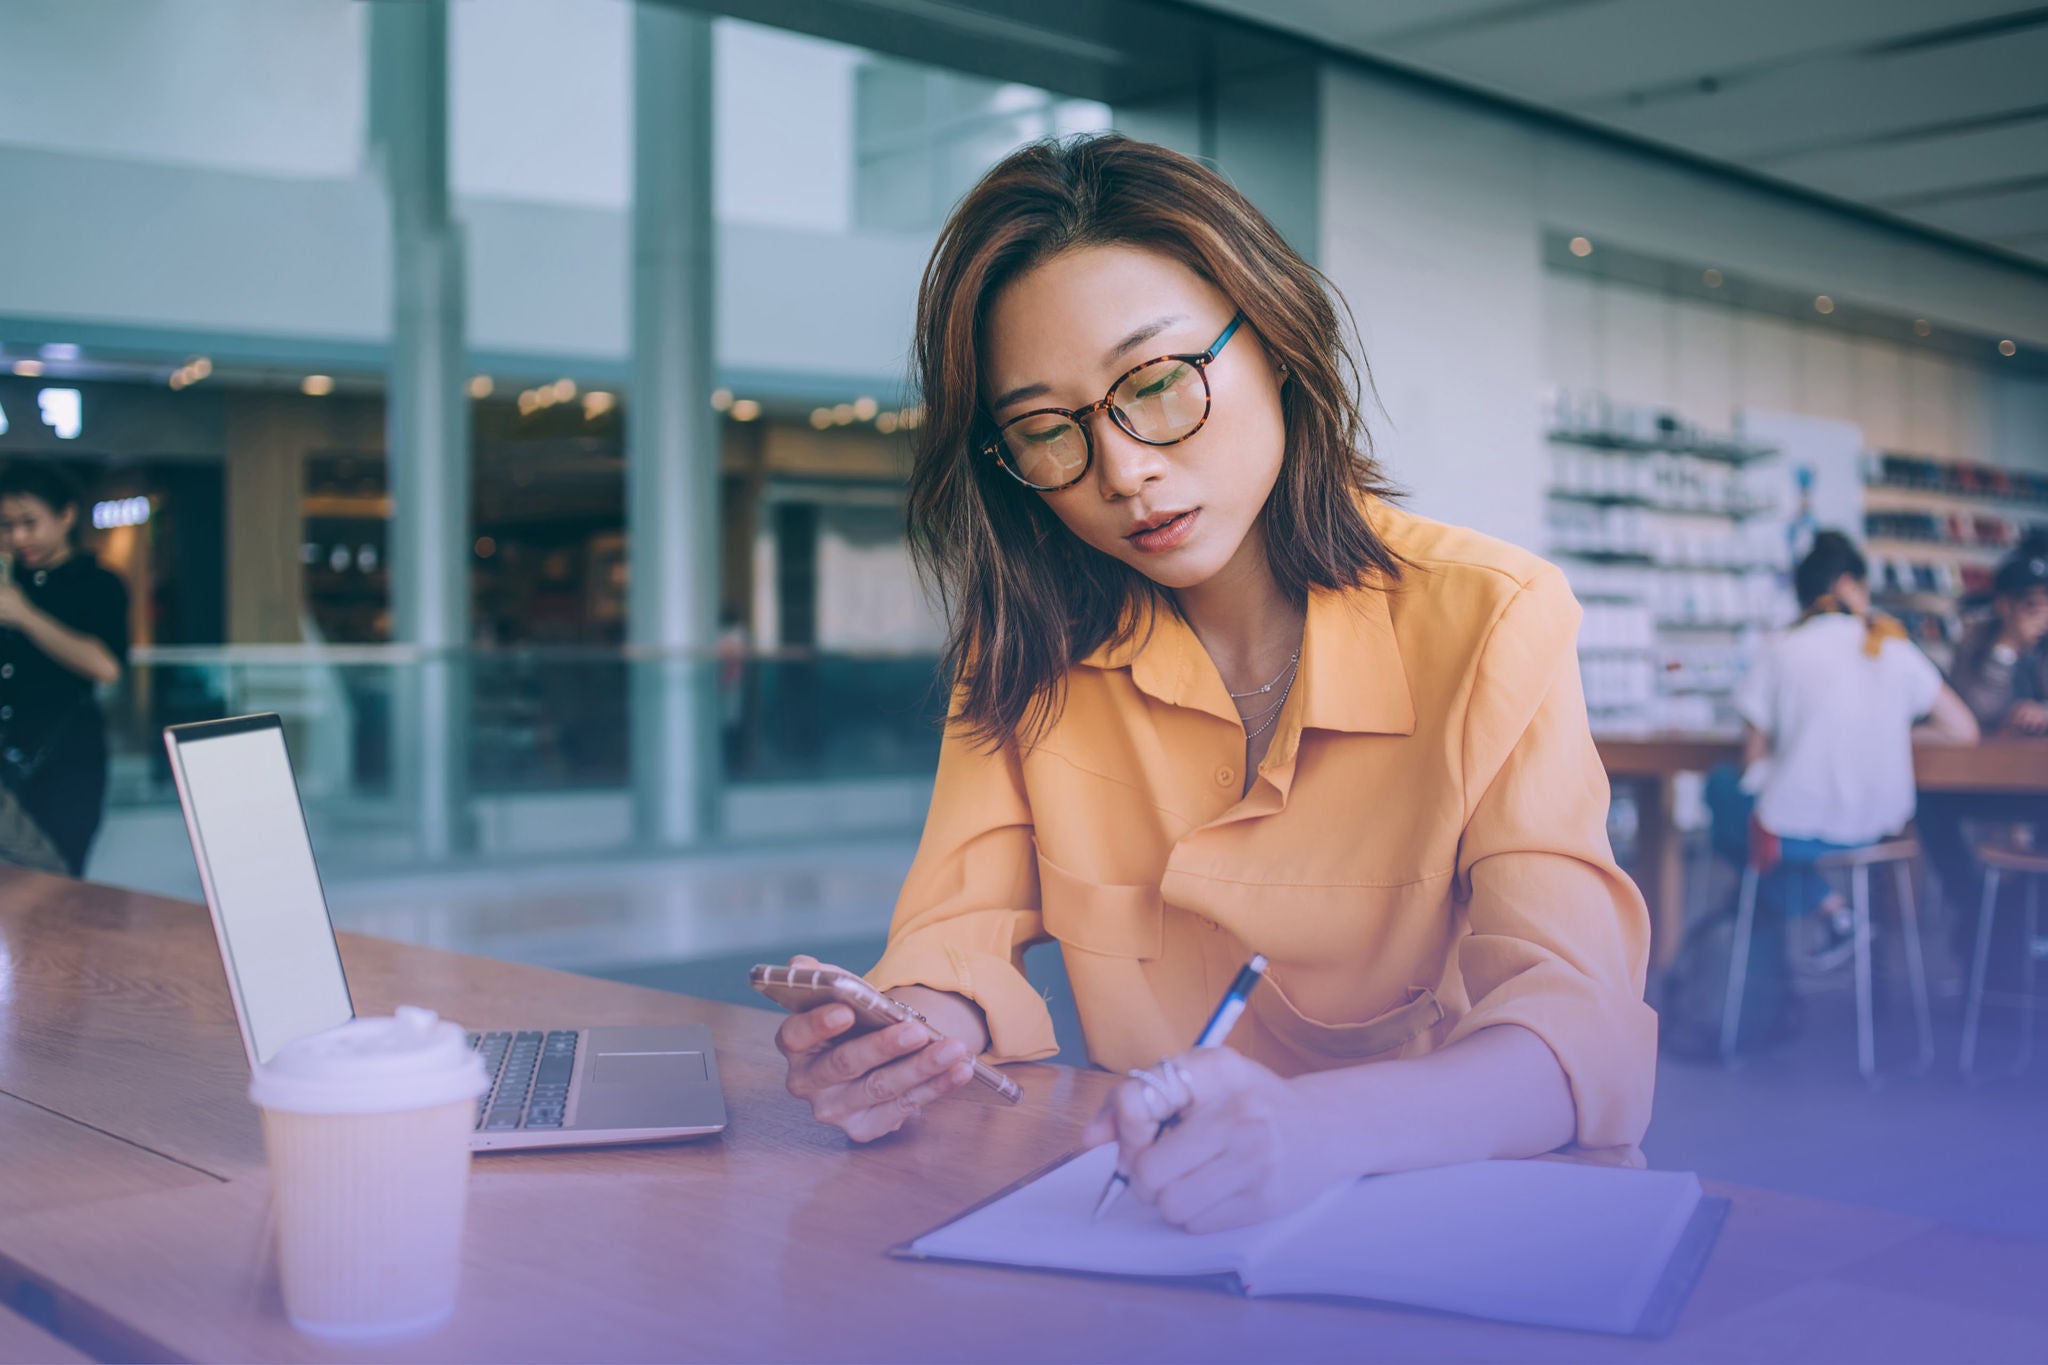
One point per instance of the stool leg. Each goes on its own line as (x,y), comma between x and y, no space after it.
(2027,975)
(1916,964)
(1866,1027)
(1738,963)
(1973,1004)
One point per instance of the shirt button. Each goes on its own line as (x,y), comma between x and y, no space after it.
(1225,776)
(6,713)
(40,576)
(6,670)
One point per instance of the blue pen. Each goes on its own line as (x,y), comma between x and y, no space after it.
(1213,1033)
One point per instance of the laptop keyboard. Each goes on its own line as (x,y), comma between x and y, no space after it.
(529,1073)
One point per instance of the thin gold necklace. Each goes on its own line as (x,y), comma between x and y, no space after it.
(1292,660)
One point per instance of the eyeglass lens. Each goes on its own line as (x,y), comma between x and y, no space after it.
(1161,403)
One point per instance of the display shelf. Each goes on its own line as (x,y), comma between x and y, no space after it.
(1898,547)
(1727,451)
(1738,512)
(1642,560)
(1983,485)
(1648,509)
(1892,497)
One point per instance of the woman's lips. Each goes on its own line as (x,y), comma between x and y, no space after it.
(1167,536)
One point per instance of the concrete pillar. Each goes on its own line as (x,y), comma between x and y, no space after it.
(672,433)
(427,424)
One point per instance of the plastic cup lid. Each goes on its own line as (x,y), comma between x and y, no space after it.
(413,1060)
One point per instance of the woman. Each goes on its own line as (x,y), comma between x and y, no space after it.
(1215,695)
(63,630)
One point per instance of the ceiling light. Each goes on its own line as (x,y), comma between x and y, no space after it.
(597,403)
(564,390)
(885,423)
(864,407)
(59,350)
(1581,246)
(317,385)
(485,547)
(200,367)
(745,410)
(480,386)
(2007,348)
(28,369)
(821,418)
(721,399)
(1823,304)
(842,413)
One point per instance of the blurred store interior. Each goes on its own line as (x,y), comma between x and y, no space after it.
(373,331)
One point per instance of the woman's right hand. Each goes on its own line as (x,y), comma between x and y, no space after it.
(869,1086)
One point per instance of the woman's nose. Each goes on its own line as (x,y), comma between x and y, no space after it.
(1123,465)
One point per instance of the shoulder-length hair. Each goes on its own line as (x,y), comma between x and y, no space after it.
(1025,599)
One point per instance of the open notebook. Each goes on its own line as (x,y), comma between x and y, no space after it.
(1544,1242)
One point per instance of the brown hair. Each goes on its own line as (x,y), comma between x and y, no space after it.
(1025,598)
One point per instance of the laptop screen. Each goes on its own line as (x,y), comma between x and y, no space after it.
(249,837)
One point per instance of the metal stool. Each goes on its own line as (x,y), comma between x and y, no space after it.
(1900,853)
(1998,859)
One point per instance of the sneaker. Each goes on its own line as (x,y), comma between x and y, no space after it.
(1831,936)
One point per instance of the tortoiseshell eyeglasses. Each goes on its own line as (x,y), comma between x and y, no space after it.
(1161,403)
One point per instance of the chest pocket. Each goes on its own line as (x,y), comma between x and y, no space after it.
(1113,920)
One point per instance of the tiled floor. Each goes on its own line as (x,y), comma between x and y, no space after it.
(1798,1119)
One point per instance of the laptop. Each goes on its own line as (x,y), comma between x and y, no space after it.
(556,1086)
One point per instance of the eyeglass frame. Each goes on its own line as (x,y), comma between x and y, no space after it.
(1201,360)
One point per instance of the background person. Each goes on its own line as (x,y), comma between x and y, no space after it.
(2001,665)
(1830,710)
(63,632)
(2001,670)
(1214,694)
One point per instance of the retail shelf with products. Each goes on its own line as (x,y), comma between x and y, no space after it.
(1935,531)
(1676,538)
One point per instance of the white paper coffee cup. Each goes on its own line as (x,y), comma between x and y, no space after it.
(367,1129)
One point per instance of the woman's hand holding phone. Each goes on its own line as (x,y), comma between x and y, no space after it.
(870,1084)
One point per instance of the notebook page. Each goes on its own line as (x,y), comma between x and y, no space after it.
(1545,1242)
(1047,1224)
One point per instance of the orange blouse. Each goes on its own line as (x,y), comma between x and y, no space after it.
(1423,854)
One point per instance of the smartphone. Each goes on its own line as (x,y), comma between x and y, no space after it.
(797,989)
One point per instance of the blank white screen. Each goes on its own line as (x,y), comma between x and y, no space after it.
(278,942)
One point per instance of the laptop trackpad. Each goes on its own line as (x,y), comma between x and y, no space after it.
(651,1071)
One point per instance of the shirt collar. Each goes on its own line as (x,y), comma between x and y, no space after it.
(1351,678)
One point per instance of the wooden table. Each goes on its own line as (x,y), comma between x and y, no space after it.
(134,1224)
(1647,767)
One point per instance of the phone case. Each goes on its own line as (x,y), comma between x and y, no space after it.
(800,988)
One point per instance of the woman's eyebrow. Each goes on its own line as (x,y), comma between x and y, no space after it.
(1141,335)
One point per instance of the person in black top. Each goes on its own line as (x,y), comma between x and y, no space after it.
(63,630)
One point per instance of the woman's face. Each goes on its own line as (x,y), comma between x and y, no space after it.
(1060,335)
(31,532)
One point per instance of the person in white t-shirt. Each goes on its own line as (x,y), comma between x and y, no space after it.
(1831,710)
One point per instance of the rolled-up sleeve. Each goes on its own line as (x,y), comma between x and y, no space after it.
(1559,935)
(969,907)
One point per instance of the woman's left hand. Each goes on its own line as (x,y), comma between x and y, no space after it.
(1243,1151)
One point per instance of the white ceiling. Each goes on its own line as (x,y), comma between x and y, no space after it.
(1935,111)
